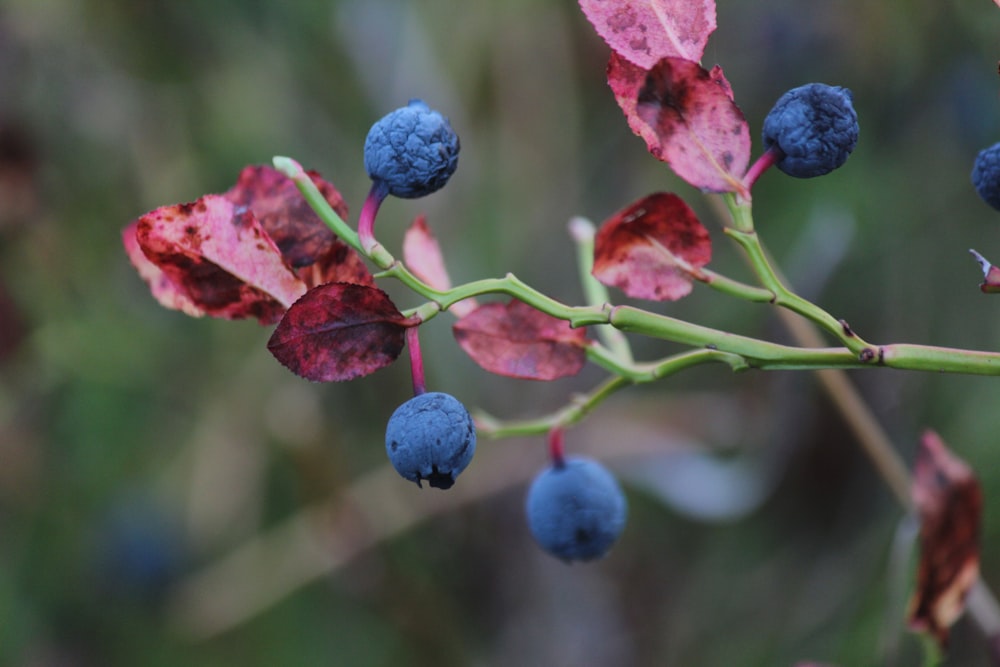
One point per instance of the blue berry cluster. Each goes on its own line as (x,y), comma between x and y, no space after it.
(431,437)
(412,151)
(576,509)
(986,175)
(814,127)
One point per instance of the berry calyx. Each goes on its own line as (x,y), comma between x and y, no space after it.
(986,175)
(576,510)
(813,127)
(412,151)
(431,437)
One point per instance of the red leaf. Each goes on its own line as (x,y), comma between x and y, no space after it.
(250,252)
(220,258)
(688,119)
(643,31)
(166,291)
(519,341)
(949,502)
(422,254)
(991,274)
(339,331)
(718,77)
(308,246)
(650,249)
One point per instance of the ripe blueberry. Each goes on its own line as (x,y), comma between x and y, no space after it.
(814,127)
(576,510)
(431,437)
(413,151)
(986,175)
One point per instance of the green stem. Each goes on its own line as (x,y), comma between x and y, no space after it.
(739,212)
(939,359)
(317,201)
(583,404)
(595,293)
(757,353)
(652,371)
(735,288)
(570,414)
(511,285)
(785,298)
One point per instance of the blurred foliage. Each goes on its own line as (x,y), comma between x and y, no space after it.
(139,448)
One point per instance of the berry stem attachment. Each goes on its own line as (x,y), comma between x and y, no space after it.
(556,450)
(366,221)
(763,163)
(416,360)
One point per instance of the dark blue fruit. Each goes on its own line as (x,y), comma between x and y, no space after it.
(412,151)
(576,510)
(431,437)
(814,127)
(986,175)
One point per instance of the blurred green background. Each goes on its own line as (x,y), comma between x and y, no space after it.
(170,495)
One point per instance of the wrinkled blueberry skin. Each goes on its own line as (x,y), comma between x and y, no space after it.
(412,151)
(432,437)
(986,175)
(577,510)
(815,127)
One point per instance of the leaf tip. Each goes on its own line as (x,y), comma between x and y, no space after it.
(991,274)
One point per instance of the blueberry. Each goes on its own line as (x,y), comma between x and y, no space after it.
(986,175)
(413,151)
(814,127)
(576,510)
(139,550)
(431,437)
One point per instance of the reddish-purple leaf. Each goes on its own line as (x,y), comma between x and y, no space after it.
(422,254)
(718,77)
(687,118)
(250,252)
(339,331)
(650,249)
(949,502)
(220,258)
(519,341)
(644,31)
(166,291)
(308,246)
(991,274)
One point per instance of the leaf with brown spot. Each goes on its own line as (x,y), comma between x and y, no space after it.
(166,291)
(339,331)
(650,249)
(220,258)
(643,31)
(519,341)
(422,255)
(687,118)
(308,246)
(949,502)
